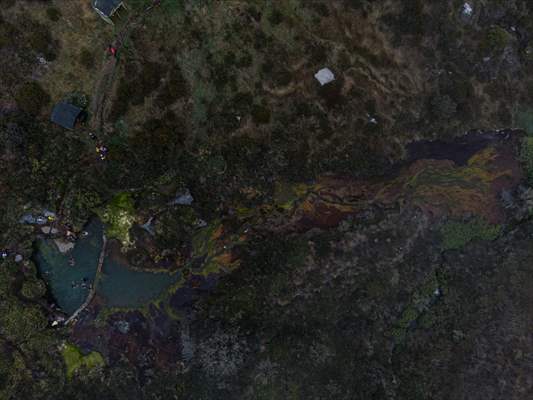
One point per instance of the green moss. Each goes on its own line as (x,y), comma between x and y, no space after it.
(455,235)
(118,217)
(74,359)
(31,97)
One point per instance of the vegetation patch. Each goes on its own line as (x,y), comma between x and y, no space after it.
(31,98)
(455,235)
(526,156)
(75,360)
(53,14)
(496,39)
(524,120)
(420,302)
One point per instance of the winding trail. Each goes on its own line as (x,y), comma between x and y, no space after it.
(108,72)
(92,293)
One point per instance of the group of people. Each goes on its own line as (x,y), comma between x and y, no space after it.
(84,284)
(101,150)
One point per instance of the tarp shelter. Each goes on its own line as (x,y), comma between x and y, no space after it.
(325,76)
(66,115)
(106,8)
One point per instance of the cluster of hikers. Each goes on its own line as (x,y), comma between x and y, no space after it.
(101,150)
(84,284)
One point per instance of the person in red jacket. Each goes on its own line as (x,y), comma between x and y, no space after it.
(112,50)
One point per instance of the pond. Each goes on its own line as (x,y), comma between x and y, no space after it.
(119,286)
(70,284)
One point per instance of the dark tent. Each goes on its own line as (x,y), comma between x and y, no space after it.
(65,115)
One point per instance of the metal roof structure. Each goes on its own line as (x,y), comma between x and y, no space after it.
(65,115)
(107,7)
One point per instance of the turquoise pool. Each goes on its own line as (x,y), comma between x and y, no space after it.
(119,286)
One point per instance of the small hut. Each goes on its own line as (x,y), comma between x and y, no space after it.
(107,8)
(66,115)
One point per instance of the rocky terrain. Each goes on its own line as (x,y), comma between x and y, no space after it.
(268,237)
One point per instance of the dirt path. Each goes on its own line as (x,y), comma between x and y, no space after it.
(108,72)
(91,294)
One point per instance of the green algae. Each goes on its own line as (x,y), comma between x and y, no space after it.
(75,360)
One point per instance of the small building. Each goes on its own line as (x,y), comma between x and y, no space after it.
(66,115)
(107,8)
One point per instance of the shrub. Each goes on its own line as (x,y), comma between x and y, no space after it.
(276,17)
(31,98)
(524,120)
(121,103)
(443,107)
(176,88)
(496,39)
(87,59)
(410,21)
(455,235)
(260,114)
(526,156)
(40,40)
(332,94)
(7,33)
(151,77)
(53,14)
(33,289)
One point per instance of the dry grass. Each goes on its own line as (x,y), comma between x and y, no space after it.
(78,28)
